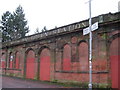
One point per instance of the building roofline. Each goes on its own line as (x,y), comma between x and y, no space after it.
(101,19)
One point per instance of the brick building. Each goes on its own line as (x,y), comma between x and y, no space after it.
(62,53)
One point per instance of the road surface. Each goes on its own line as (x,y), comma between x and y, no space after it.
(11,82)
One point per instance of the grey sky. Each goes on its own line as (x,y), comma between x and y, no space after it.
(51,13)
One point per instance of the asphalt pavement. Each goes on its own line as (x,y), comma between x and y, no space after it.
(11,82)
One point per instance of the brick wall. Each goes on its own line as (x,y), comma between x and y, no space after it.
(62,54)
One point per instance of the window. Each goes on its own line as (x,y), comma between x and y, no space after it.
(10,60)
(17,60)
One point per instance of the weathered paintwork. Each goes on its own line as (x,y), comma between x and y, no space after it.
(61,54)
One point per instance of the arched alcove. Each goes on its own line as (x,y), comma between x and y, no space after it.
(3,61)
(10,62)
(17,60)
(67,58)
(114,62)
(45,57)
(83,56)
(30,64)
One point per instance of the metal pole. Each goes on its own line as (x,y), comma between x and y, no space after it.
(90,48)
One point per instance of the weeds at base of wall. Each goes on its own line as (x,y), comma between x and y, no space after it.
(10,74)
(54,81)
(77,84)
(13,75)
(74,84)
(103,85)
(70,84)
(35,78)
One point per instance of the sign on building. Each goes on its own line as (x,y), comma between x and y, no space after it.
(93,27)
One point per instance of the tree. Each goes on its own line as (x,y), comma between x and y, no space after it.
(20,23)
(44,29)
(6,27)
(37,31)
(55,27)
(14,26)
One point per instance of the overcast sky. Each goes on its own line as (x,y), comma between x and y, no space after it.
(51,13)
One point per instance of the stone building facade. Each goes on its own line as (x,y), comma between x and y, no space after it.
(61,54)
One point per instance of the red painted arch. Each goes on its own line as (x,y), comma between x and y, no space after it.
(11,60)
(3,62)
(67,58)
(83,56)
(115,62)
(45,65)
(17,60)
(30,65)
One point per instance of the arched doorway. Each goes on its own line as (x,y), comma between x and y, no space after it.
(30,65)
(45,65)
(114,61)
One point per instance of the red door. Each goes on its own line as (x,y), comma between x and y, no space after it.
(30,65)
(114,58)
(45,65)
(3,61)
